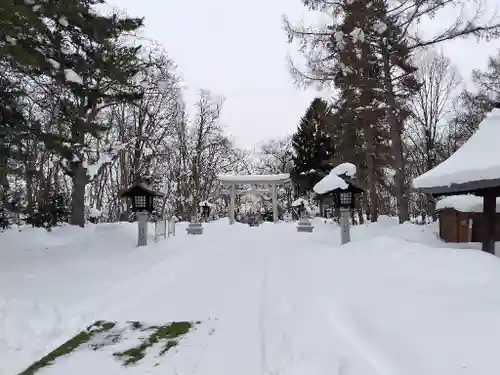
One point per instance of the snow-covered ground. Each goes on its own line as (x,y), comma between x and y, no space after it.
(270,300)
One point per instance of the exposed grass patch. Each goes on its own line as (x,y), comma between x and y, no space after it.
(136,326)
(70,345)
(166,335)
(103,334)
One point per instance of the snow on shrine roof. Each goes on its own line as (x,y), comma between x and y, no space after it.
(254,178)
(464,203)
(477,161)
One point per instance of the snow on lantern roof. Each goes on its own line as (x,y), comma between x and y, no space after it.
(329,183)
(347,169)
(464,203)
(140,188)
(254,178)
(473,166)
(207,203)
(333,181)
(298,202)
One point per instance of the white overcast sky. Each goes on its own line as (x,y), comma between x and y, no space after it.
(237,49)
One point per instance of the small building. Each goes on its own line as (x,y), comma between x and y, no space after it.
(461,219)
(473,169)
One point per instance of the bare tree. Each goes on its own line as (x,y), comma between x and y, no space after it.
(276,156)
(430,108)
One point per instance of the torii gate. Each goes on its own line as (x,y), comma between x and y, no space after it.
(272,180)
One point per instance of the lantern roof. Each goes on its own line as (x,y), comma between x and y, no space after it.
(139,188)
(334,182)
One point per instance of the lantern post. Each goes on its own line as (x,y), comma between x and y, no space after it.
(345,201)
(344,189)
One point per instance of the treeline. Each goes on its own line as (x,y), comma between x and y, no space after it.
(86,110)
(396,113)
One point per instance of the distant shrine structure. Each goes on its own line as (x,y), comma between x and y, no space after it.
(272,180)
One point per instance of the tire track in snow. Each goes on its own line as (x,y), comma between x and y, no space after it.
(316,342)
(263,313)
(173,269)
(351,334)
(125,292)
(271,316)
(356,353)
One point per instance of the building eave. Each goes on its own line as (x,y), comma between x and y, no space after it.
(464,188)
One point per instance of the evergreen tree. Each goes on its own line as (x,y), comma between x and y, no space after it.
(368,46)
(313,147)
(360,119)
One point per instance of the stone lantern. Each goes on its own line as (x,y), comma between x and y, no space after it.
(345,200)
(142,197)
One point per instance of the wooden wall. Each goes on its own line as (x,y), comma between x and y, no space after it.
(454,226)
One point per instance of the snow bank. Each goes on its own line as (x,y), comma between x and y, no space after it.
(417,310)
(463,203)
(478,159)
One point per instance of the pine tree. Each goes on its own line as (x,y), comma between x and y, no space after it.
(361,134)
(13,131)
(378,33)
(313,147)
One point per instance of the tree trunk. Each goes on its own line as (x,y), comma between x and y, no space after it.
(372,179)
(360,215)
(29,189)
(78,195)
(79,179)
(4,182)
(396,129)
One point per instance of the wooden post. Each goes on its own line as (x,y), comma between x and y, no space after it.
(489,218)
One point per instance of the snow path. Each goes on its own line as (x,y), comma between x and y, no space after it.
(307,341)
(262,302)
(271,301)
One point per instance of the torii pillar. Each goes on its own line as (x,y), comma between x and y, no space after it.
(232,203)
(275,202)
